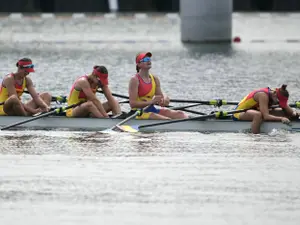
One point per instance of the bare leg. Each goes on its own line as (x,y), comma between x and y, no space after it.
(254,116)
(113,106)
(172,114)
(46,97)
(85,110)
(14,107)
(154,116)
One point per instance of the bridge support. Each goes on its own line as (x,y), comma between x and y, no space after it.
(206,21)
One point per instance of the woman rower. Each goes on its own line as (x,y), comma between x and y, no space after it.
(12,88)
(145,90)
(259,101)
(85,88)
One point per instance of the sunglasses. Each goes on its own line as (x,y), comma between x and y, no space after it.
(28,66)
(146,59)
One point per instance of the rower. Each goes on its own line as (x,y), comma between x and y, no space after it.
(144,90)
(85,88)
(259,101)
(12,88)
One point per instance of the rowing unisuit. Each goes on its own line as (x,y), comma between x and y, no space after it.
(248,102)
(77,96)
(146,91)
(4,93)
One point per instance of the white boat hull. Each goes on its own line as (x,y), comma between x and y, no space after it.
(94,124)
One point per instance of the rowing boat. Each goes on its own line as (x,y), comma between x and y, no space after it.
(95,124)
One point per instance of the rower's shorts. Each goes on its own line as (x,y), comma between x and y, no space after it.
(146,113)
(69,112)
(2,113)
(236,116)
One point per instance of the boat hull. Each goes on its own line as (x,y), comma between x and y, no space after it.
(95,124)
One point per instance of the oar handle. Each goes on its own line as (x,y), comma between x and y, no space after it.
(55,111)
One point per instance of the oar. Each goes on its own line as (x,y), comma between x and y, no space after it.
(184,108)
(2,103)
(295,105)
(118,125)
(216,115)
(115,95)
(55,111)
(61,99)
(126,97)
(215,102)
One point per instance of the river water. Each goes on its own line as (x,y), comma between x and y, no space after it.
(61,177)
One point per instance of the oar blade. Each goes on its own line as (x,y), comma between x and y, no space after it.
(120,128)
(127,128)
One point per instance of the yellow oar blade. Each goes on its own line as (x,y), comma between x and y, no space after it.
(127,128)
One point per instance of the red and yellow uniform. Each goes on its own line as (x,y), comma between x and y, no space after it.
(4,93)
(249,102)
(76,96)
(146,91)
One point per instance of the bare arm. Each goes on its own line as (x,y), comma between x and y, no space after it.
(133,95)
(9,83)
(289,111)
(36,98)
(263,101)
(107,93)
(86,88)
(165,99)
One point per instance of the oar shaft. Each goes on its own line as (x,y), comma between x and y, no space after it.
(61,99)
(130,117)
(193,118)
(115,95)
(184,107)
(58,110)
(126,97)
(216,102)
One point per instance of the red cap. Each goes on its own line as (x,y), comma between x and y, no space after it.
(102,76)
(142,55)
(282,99)
(27,65)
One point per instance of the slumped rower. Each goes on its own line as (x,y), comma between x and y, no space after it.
(259,102)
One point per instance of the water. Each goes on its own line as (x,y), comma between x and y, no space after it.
(62,177)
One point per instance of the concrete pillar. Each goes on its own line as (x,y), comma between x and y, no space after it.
(206,21)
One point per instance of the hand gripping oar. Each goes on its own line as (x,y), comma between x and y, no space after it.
(55,111)
(216,115)
(119,127)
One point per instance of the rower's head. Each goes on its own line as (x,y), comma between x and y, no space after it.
(280,96)
(143,61)
(100,73)
(25,66)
